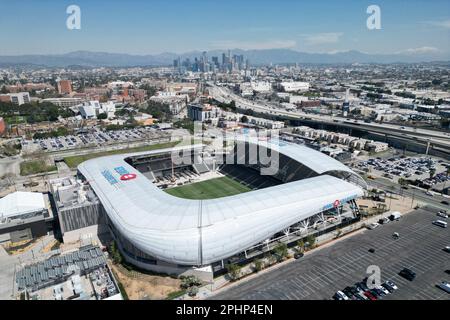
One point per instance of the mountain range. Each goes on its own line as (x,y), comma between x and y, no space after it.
(256,57)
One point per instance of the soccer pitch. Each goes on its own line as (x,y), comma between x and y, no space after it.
(209,189)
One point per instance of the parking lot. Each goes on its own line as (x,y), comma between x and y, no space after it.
(409,167)
(324,271)
(94,137)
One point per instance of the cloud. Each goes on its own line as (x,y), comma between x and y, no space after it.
(420,50)
(247,45)
(443,24)
(322,38)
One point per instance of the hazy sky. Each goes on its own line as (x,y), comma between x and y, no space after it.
(155,26)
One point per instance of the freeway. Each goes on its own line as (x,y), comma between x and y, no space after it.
(437,138)
(417,194)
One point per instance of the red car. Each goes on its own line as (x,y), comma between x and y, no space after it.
(370,296)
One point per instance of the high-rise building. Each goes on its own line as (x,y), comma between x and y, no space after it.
(64,87)
(20,98)
(215,61)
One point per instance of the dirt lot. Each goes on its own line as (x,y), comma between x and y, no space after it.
(143,286)
(397,203)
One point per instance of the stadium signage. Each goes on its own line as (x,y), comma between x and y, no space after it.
(124,174)
(338,202)
(109,177)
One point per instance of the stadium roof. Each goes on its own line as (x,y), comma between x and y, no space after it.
(199,232)
(20,202)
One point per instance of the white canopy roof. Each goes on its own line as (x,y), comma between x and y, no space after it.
(199,232)
(20,202)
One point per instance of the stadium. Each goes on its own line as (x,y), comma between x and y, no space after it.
(202,213)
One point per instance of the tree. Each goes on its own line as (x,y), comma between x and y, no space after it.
(192,291)
(258,265)
(115,254)
(432,172)
(234,271)
(102,116)
(244,119)
(311,239)
(402,182)
(281,250)
(189,281)
(4,90)
(301,245)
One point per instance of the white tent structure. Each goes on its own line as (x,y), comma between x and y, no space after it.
(21,203)
(200,232)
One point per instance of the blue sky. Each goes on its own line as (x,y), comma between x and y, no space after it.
(155,26)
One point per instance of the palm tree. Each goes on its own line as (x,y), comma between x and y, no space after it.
(258,265)
(432,173)
(301,245)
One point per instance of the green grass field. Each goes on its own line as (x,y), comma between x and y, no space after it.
(209,189)
(74,161)
(34,167)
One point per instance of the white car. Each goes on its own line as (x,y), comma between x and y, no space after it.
(444,286)
(340,296)
(442,214)
(428,193)
(386,291)
(373,226)
(391,284)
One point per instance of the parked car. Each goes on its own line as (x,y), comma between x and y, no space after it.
(444,286)
(395,216)
(407,274)
(298,255)
(440,223)
(348,292)
(391,284)
(340,296)
(387,287)
(372,226)
(445,202)
(371,250)
(447,249)
(376,293)
(362,286)
(383,289)
(384,220)
(369,295)
(442,214)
